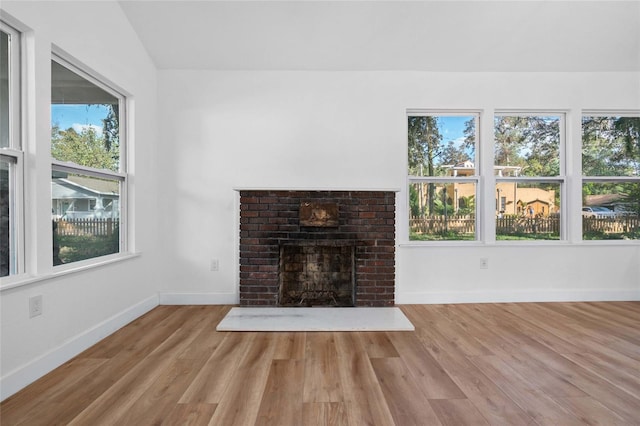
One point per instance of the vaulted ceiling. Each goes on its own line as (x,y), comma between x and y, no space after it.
(389,35)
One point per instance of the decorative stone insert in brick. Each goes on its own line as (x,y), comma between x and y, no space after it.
(270,220)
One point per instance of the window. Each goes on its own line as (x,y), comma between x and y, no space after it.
(442,176)
(611,176)
(88,178)
(529,176)
(11,157)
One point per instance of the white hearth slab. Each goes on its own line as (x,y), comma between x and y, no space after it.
(315,319)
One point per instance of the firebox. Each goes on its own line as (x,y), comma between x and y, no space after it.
(313,274)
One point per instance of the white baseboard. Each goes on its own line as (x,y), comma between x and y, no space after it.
(198,298)
(426,298)
(22,376)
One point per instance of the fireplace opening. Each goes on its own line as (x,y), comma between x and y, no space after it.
(316,273)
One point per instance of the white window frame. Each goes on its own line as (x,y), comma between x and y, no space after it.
(604,179)
(120,176)
(14,154)
(475,179)
(560,179)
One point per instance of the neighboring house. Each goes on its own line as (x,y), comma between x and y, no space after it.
(536,207)
(510,198)
(77,197)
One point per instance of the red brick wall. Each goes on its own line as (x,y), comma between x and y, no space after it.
(269,219)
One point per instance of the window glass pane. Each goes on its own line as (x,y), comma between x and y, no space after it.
(442,211)
(7,200)
(85,215)
(527,211)
(442,145)
(8,163)
(84,120)
(611,210)
(527,145)
(610,146)
(4,90)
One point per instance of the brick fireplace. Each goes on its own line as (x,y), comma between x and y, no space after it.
(314,237)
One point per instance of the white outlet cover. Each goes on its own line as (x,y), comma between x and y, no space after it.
(214,264)
(35,306)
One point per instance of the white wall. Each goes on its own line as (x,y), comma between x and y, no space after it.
(82,307)
(340,130)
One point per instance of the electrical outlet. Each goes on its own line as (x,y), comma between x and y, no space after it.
(484,263)
(214,265)
(35,306)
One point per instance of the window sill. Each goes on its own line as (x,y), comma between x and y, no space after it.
(12,282)
(520,243)
(452,243)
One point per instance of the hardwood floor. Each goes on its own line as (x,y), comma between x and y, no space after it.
(474,364)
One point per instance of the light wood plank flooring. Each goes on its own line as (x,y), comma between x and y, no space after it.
(472,364)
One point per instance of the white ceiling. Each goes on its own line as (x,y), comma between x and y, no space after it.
(389,35)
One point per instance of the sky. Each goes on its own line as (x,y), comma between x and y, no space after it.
(452,127)
(78,116)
